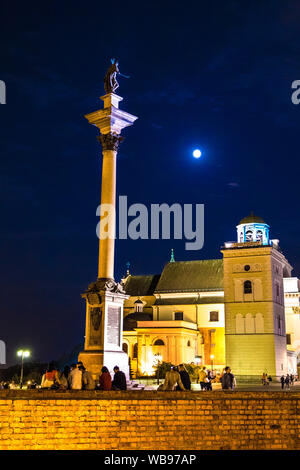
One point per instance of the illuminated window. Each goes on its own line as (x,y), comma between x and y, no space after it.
(138,306)
(159,342)
(247,287)
(214,316)
(178,316)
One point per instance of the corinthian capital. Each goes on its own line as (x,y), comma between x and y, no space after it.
(110,141)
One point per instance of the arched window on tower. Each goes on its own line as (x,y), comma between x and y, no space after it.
(259,323)
(135,351)
(125,347)
(249,324)
(158,342)
(249,236)
(239,324)
(247,287)
(259,235)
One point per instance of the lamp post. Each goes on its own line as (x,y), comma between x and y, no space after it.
(158,358)
(22,353)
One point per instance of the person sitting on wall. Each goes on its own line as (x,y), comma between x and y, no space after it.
(185,378)
(63,378)
(50,379)
(88,383)
(75,378)
(172,380)
(105,379)
(119,382)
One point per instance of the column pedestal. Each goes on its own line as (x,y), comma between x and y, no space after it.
(104,328)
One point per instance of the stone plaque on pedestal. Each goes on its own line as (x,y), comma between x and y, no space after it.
(113,324)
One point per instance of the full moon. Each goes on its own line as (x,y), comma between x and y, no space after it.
(197,153)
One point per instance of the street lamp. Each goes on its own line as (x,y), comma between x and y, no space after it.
(158,358)
(22,353)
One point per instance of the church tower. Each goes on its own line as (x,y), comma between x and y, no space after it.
(254,267)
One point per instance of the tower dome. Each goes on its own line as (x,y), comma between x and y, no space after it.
(252,218)
(253,229)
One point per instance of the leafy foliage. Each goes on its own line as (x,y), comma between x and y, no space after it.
(163,367)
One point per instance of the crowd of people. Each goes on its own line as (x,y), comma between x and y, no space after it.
(287,381)
(77,377)
(207,378)
(178,379)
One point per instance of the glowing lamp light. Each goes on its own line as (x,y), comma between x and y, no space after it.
(158,357)
(22,353)
(197,153)
(212,356)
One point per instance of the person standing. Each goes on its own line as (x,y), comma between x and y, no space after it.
(227,379)
(119,382)
(282,380)
(292,378)
(264,379)
(208,380)
(105,379)
(75,378)
(287,381)
(185,378)
(202,378)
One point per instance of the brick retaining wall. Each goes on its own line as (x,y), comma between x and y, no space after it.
(149,420)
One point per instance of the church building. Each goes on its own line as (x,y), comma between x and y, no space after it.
(242,310)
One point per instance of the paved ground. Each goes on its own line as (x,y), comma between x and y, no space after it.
(272,387)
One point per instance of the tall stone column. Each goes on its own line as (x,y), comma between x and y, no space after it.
(110,145)
(105,297)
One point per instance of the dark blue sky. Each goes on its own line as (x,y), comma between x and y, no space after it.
(210,75)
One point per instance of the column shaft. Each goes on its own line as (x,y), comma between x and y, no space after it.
(108,196)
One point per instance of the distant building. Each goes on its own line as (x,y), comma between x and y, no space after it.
(242,310)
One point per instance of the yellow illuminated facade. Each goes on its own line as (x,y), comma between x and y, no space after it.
(242,310)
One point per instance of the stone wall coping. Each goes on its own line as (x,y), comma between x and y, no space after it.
(144,395)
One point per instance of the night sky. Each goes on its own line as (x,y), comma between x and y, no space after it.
(210,75)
